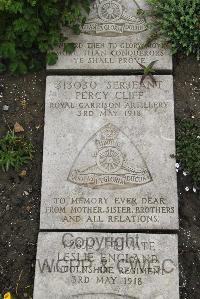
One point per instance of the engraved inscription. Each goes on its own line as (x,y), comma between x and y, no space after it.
(106,139)
(106,266)
(101,296)
(113,18)
(109,160)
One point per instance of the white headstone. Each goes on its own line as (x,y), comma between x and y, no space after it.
(108,160)
(73,265)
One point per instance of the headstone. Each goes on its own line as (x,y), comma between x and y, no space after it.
(75,265)
(109,149)
(113,39)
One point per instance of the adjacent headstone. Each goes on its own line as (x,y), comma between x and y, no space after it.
(109,149)
(106,266)
(114,38)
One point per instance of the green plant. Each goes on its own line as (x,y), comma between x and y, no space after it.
(177,22)
(148,71)
(30,30)
(188,147)
(14,151)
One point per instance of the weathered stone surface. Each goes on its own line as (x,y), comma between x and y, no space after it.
(106,266)
(113,39)
(108,149)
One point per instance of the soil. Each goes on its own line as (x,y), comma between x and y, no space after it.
(20,197)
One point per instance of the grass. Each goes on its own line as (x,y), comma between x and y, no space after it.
(15,151)
(188,147)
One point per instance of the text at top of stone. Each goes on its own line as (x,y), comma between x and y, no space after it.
(113,38)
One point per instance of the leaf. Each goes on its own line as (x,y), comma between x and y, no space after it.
(18,67)
(52,58)
(152,78)
(18,128)
(86,6)
(7,50)
(20,25)
(76,29)
(150,66)
(142,66)
(69,48)
(2,69)
(22,68)
(13,67)
(142,79)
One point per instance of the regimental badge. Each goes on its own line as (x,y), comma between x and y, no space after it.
(109,160)
(113,18)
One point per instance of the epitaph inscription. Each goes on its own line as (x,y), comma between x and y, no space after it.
(114,38)
(108,148)
(106,266)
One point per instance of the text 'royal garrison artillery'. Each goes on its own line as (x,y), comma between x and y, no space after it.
(106,138)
